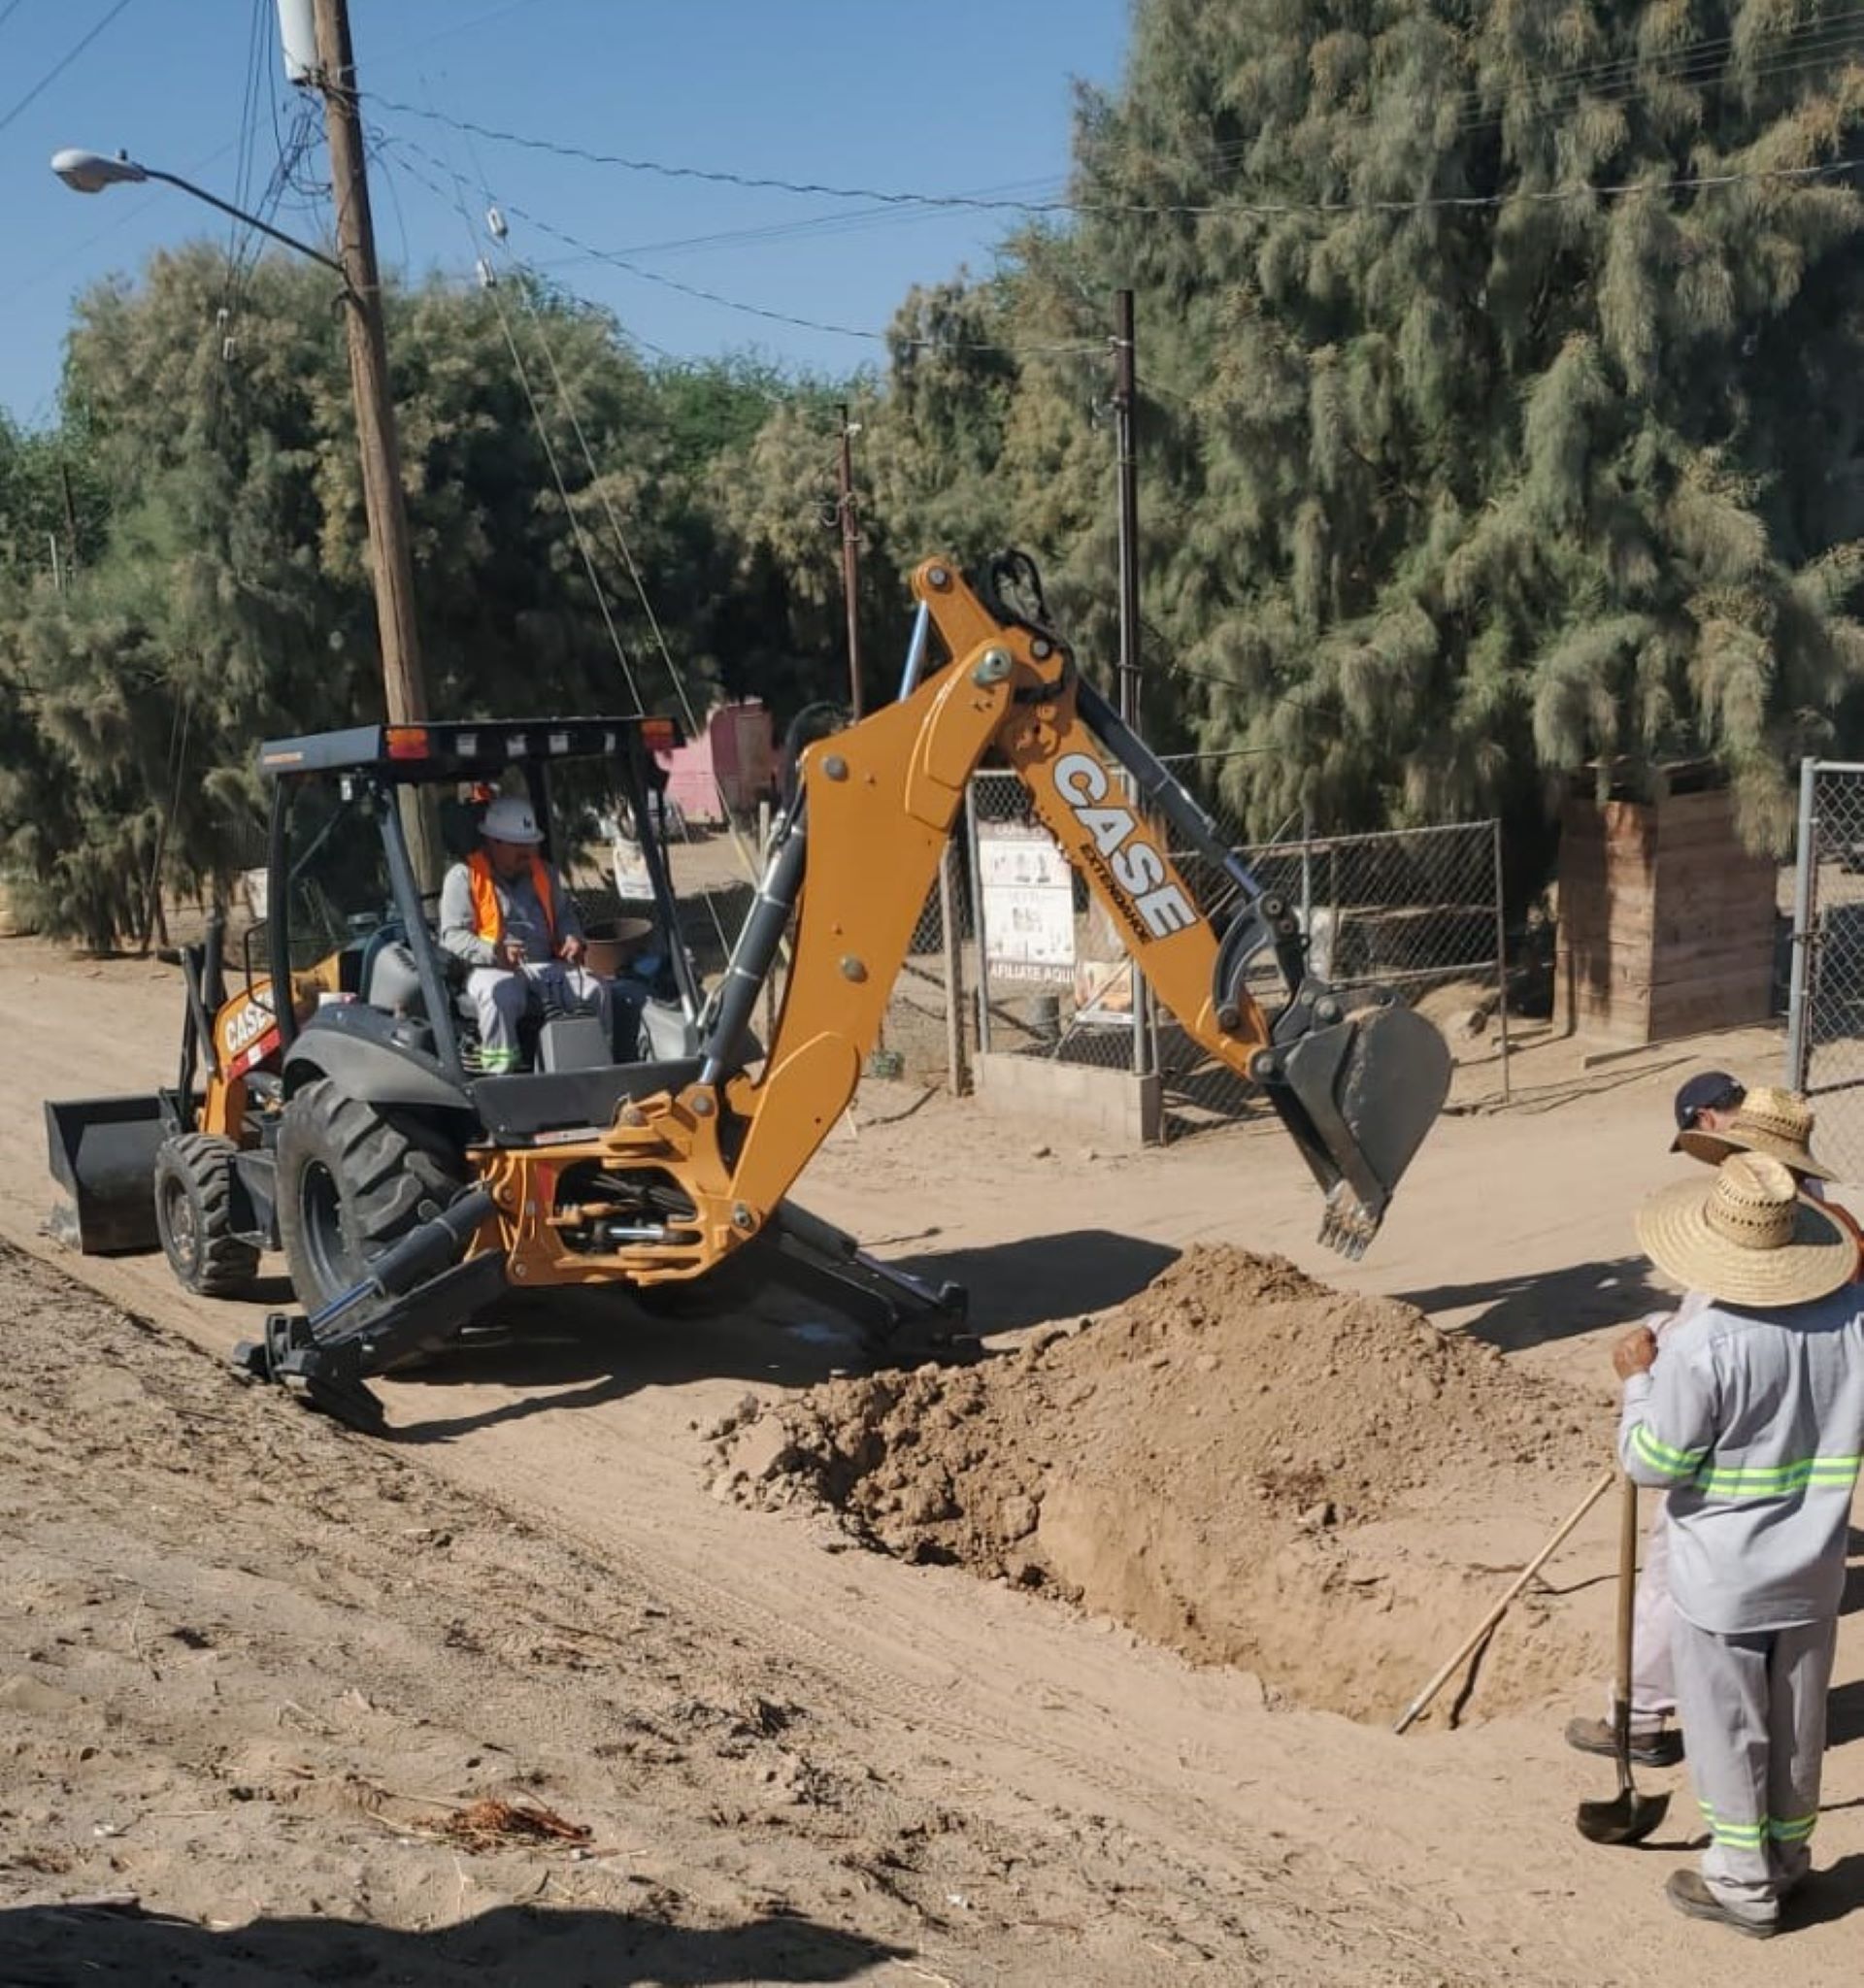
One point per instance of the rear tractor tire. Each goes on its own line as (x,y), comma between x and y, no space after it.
(194,1215)
(353,1179)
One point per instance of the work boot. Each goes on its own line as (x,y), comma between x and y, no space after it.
(1661,1746)
(1689,1893)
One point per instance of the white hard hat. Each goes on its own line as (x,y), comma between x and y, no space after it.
(509,819)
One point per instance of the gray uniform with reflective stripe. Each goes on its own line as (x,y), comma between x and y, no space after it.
(1754,1422)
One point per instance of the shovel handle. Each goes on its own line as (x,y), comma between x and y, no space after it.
(1627,1620)
(1415,1709)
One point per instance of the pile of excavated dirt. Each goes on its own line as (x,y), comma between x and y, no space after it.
(1234,1464)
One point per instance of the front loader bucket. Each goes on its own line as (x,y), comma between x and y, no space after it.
(102,1152)
(1359,1095)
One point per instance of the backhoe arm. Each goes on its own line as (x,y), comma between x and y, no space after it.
(877,804)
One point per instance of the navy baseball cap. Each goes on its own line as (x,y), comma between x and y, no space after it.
(1715,1090)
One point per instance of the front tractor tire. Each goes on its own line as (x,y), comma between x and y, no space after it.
(353,1179)
(194,1215)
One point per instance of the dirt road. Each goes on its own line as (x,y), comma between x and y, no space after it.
(979,1785)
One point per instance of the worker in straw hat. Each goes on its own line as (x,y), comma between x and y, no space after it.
(1715,1118)
(1753,1423)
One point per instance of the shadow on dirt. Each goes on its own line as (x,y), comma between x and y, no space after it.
(1530,1309)
(1844,1712)
(49,1946)
(572,1350)
(1039,1277)
(1832,1894)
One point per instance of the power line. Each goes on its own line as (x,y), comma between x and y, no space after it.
(1000,204)
(59,67)
(8,11)
(405,145)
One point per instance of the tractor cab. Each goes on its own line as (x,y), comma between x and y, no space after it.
(330,1082)
(354,932)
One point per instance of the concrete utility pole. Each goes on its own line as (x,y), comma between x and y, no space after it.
(850,563)
(391,565)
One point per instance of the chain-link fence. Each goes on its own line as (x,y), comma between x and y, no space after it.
(713,868)
(1418,910)
(1826,1005)
(1011,955)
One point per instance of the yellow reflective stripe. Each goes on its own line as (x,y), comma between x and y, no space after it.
(1825,1473)
(1670,1462)
(1747,1835)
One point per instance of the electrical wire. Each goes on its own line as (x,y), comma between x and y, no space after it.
(405,145)
(556,469)
(63,63)
(997,203)
(1269,208)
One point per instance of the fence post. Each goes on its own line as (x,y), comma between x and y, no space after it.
(957,1071)
(1806,863)
(1501,964)
(976,916)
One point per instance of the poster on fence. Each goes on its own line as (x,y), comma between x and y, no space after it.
(1028,903)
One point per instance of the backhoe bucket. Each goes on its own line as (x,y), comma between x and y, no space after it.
(102,1152)
(1359,1095)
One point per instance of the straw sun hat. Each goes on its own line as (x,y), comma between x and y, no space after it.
(1746,1237)
(1768,1121)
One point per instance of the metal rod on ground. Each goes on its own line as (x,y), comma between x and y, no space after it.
(1501,965)
(1415,1709)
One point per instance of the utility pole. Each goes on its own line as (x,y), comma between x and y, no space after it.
(850,563)
(391,565)
(71,515)
(1125,412)
(1125,397)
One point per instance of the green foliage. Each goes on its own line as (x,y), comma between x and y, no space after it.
(223,594)
(1441,498)
(1458,470)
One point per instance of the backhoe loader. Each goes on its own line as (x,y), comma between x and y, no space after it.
(332,1104)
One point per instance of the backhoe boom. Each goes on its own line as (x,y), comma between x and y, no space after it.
(877,803)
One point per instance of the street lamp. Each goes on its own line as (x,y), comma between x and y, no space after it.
(91,172)
(390,559)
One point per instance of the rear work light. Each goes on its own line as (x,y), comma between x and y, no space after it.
(406,742)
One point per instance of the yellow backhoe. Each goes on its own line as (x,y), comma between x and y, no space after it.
(351,1124)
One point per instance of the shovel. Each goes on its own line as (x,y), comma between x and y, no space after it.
(1629,1817)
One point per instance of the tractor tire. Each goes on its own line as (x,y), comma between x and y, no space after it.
(353,1181)
(194,1217)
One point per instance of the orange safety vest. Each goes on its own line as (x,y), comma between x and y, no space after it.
(488,920)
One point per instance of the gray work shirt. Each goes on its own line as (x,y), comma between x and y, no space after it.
(1754,1422)
(520,914)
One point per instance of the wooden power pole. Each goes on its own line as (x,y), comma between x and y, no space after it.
(391,564)
(851,564)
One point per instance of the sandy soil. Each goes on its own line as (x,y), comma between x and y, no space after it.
(846,1766)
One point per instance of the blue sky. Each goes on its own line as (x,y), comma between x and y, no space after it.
(964,96)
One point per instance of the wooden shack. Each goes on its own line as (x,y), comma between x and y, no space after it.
(1666,922)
